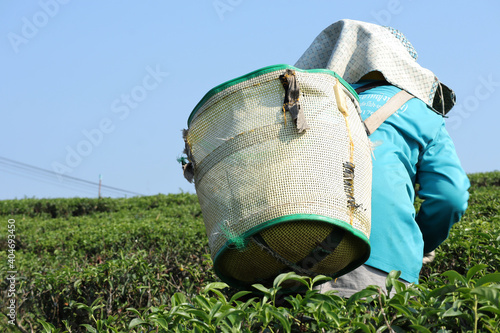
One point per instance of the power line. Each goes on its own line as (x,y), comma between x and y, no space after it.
(36,171)
(70,186)
(74,186)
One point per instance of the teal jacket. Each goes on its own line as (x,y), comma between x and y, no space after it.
(411,147)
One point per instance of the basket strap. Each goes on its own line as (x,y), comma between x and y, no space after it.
(323,249)
(386,110)
(304,266)
(261,242)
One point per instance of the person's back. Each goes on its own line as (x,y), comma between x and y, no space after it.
(410,147)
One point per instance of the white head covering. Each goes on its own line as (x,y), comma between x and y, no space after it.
(353,49)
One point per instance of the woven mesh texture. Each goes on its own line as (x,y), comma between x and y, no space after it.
(253,167)
(255,265)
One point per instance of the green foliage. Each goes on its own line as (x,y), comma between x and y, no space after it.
(142,264)
(476,239)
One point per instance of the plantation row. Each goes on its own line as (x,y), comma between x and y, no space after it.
(142,264)
(85,206)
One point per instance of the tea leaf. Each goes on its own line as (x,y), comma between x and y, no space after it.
(454,310)
(89,328)
(402,309)
(474,270)
(489,278)
(261,288)
(238,295)
(489,308)
(491,294)
(285,276)
(360,295)
(455,277)
(215,286)
(135,322)
(365,328)
(319,278)
(48,327)
(444,290)
(420,328)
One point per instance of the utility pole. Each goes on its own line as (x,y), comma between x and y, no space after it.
(100,183)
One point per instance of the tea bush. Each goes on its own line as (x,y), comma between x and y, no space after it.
(142,264)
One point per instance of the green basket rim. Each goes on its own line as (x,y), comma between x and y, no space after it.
(262,71)
(291,218)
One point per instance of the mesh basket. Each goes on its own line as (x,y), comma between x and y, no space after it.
(279,190)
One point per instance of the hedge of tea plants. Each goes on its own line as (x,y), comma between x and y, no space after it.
(142,264)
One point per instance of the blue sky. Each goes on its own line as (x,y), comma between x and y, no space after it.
(94,88)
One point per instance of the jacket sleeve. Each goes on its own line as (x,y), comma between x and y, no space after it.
(443,189)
